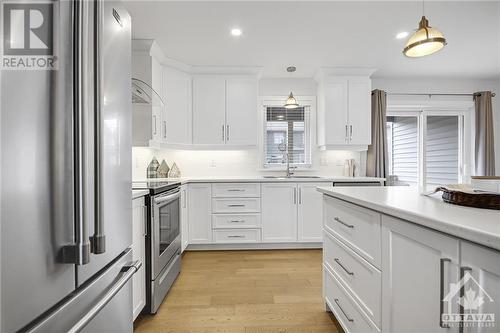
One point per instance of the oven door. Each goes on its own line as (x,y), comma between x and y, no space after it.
(165,229)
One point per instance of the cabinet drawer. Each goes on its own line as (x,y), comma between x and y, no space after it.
(239,190)
(224,221)
(246,205)
(345,309)
(237,236)
(357,227)
(359,278)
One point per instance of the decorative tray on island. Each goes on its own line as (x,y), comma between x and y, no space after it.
(465,195)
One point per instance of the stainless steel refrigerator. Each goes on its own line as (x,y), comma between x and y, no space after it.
(66,229)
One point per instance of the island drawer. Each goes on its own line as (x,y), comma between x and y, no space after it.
(236,205)
(361,279)
(226,236)
(224,221)
(343,306)
(236,190)
(359,228)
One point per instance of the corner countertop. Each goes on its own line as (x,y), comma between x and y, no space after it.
(263,179)
(139,193)
(477,225)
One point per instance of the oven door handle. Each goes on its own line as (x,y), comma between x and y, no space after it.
(168,198)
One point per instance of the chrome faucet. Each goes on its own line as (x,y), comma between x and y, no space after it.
(288,167)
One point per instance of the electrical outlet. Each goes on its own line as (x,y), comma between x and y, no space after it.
(212,164)
(323,161)
(339,163)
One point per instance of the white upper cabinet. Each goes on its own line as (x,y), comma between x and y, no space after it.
(224,110)
(241,111)
(177,116)
(344,110)
(146,66)
(209,108)
(359,102)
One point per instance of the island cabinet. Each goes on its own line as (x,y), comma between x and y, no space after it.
(386,274)
(418,266)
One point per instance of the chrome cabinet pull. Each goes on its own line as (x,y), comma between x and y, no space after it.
(235,205)
(235,236)
(223,133)
(343,223)
(184,204)
(127,273)
(441,293)
(237,221)
(227,132)
(236,190)
(295,196)
(154,124)
(300,196)
(346,136)
(343,312)
(164,129)
(145,210)
(343,267)
(350,133)
(462,294)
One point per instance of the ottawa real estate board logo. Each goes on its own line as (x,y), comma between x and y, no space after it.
(473,301)
(27,32)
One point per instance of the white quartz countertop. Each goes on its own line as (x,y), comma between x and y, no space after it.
(477,225)
(263,179)
(139,193)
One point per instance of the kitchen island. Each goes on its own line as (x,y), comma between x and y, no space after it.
(393,259)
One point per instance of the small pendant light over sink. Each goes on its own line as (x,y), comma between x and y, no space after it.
(291,102)
(425,41)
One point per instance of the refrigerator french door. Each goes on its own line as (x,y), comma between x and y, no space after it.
(66,179)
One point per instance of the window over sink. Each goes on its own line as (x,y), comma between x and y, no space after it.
(287,133)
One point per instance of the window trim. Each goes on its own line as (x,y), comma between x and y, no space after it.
(465,136)
(278,101)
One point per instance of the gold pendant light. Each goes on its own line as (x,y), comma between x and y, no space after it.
(425,41)
(291,102)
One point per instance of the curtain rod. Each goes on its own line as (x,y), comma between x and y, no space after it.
(430,95)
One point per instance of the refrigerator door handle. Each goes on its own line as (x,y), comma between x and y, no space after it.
(98,240)
(79,253)
(128,271)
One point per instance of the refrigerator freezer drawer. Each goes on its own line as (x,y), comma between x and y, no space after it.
(90,309)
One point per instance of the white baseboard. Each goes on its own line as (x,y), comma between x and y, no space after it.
(259,246)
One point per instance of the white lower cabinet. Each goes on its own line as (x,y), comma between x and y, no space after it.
(418,266)
(279,212)
(200,213)
(482,283)
(310,212)
(139,253)
(184,218)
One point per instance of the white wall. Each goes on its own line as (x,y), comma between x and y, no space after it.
(456,86)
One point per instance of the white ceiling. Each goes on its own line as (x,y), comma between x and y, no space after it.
(311,35)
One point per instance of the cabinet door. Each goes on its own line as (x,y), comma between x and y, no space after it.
(209,99)
(336,112)
(279,212)
(310,212)
(481,285)
(184,218)
(360,111)
(241,111)
(199,213)
(139,253)
(177,92)
(158,119)
(418,266)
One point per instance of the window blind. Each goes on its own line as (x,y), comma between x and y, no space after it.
(403,148)
(287,131)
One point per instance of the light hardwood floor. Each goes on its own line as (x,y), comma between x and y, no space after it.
(244,291)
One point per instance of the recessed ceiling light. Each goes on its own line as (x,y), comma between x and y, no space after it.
(236,32)
(402,34)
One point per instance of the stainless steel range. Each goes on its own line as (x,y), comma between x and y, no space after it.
(163,240)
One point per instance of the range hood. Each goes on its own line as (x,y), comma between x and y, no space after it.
(143,93)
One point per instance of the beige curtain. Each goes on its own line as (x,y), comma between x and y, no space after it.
(377,164)
(484,149)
